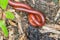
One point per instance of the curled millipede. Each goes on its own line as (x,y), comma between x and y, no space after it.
(35,18)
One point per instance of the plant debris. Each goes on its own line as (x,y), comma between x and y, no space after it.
(20,29)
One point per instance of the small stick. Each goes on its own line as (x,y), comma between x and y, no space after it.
(1,36)
(11,33)
(48,29)
(18,21)
(57,16)
(54,26)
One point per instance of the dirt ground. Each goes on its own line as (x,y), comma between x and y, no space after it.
(20,29)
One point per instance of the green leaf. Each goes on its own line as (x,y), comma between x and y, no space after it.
(3,4)
(9,15)
(4,28)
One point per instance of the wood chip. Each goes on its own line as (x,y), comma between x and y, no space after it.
(12,23)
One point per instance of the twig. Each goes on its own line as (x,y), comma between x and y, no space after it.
(11,33)
(1,36)
(54,26)
(48,29)
(20,30)
(12,23)
(57,16)
(19,23)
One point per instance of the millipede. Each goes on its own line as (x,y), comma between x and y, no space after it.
(35,18)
